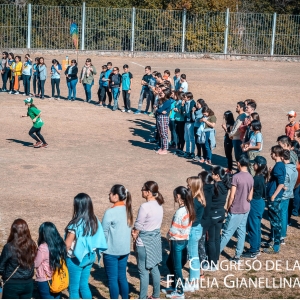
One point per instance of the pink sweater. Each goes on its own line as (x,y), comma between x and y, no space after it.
(41,263)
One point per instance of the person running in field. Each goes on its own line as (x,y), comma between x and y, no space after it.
(35,132)
(292,126)
(126,88)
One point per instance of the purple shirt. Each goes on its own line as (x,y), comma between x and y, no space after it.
(243,181)
(149,218)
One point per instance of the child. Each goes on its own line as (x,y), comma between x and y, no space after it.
(292,126)
(228,122)
(115,80)
(257,207)
(274,194)
(26,74)
(178,236)
(106,83)
(184,85)
(252,117)
(126,88)
(255,144)
(176,79)
(167,75)
(285,142)
(152,84)
(35,77)
(179,122)
(289,184)
(102,87)
(16,69)
(172,127)
(187,105)
(55,78)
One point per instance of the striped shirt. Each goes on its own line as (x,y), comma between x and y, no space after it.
(181,225)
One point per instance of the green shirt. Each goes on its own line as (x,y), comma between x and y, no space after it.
(32,113)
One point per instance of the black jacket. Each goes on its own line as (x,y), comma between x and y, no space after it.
(9,262)
(208,190)
(219,200)
(73,75)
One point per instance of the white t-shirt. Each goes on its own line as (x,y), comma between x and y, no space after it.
(184,86)
(256,138)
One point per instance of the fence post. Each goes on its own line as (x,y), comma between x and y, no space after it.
(29,23)
(83,27)
(183,30)
(226,31)
(132,29)
(273,34)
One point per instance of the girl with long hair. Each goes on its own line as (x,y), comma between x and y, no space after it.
(35,132)
(4,70)
(178,236)
(87,78)
(72,79)
(35,81)
(84,235)
(147,238)
(117,222)
(42,71)
(10,64)
(196,187)
(16,69)
(222,184)
(55,78)
(17,262)
(257,207)
(228,122)
(50,257)
(179,121)
(26,74)
(163,119)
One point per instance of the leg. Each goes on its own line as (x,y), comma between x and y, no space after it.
(201,247)
(43,88)
(217,234)
(192,138)
(187,137)
(28,85)
(159,126)
(241,235)
(253,225)
(262,204)
(103,95)
(34,84)
(27,290)
(198,146)
(252,155)
(274,216)
(122,277)
(32,132)
(228,152)
(53,87)
(237,148)
(165,127)
(142,96)
(74,280)
(296,201)
(44,291)
(39,83)
(284,216)
(69,90)
(38,133)
(128,100)
(147,95)
(207,146)
(57,87)
(87,264)
(111,270)
(155,274)
(181,135)
(73,86)
(99,94)
(109,94)
(195,235)
(143,272)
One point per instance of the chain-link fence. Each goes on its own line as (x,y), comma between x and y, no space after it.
(126,29)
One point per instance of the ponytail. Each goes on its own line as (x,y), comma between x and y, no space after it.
(196,187)
(124,195)
(225,178)
(187,197)
(152,186)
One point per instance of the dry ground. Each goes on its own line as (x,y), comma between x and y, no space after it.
(90,149)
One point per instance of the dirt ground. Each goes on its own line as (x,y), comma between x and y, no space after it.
(92,148)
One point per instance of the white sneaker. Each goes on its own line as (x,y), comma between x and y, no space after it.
(129,111)
(123,110)
(17,93)
(10,92)
(188,288)
(167,290)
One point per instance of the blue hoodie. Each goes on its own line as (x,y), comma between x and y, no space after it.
(277,177)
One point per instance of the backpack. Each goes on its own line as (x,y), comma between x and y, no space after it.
(60,279)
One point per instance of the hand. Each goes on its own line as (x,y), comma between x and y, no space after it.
(134,233)
(79,80)
(103,79)
(154,106)
(193,109)
(224,126)
(272,198)
(129,91)
(109,90)
(164,112)
(175,109)
(34,120)
(112,83)
(183,102)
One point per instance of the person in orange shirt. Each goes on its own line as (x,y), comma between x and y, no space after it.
(292,126)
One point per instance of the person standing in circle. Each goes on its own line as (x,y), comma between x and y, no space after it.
(35,132)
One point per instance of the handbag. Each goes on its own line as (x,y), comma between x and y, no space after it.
(60,279)
(2,283)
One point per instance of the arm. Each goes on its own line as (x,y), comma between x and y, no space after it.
(250,196)
(209,124)
(94,71)
(39,258)
(281,179)
(235,128)
(57,69)
(106,223)
(231,197)
(129,91)
(5,256)
(69,240)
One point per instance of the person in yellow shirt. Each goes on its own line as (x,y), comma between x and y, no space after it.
(16,69)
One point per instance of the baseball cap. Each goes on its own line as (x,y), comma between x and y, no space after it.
(260,160)
(292,113)
(28,100)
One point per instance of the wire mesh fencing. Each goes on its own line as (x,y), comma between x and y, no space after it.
(130,29)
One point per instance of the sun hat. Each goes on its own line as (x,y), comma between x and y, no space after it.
(28,100)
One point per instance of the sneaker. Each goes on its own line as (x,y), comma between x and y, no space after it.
(145,113)
(10,92)
(167,290)
(151,114)
(17,93)
(249,255)
(37,145)
(208,162)
(270,250)
(196,158)
(188,288)
(153,140)
(89,101)
(282,242)
(128,111)
(258,253)
(72,99)
(153,126)
(44,146)
(151,297)
(37,95)
(235,259)
(175,295)
(137,112)
(57,98)
(267,244)
(42,98)
(123,110)
(212,269)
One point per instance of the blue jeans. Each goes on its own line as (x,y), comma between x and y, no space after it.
(79,276)
(174,139)
(5,78)
(257,207)
(235,222)
(189,137)
(42,87)
(44,291)
(296,206)
(115,94)
(193,244)
(237,149)
(26,83)
(115,268)
(72,89)
(207,154)
(88,91)
(274,211)
(284,216)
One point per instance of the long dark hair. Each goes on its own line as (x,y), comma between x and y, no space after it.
(206,177)
(262,169)
(22,243)
(124,194)
(55,61)
(12,55)
(84,214)
(49,235)
(152,186)
(187,197)
(225,178)
(229,118)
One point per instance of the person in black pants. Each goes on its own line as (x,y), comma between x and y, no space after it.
(102,87)
(217,214)
(4,70)
(228,122)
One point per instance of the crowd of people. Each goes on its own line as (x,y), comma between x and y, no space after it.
(212,206)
